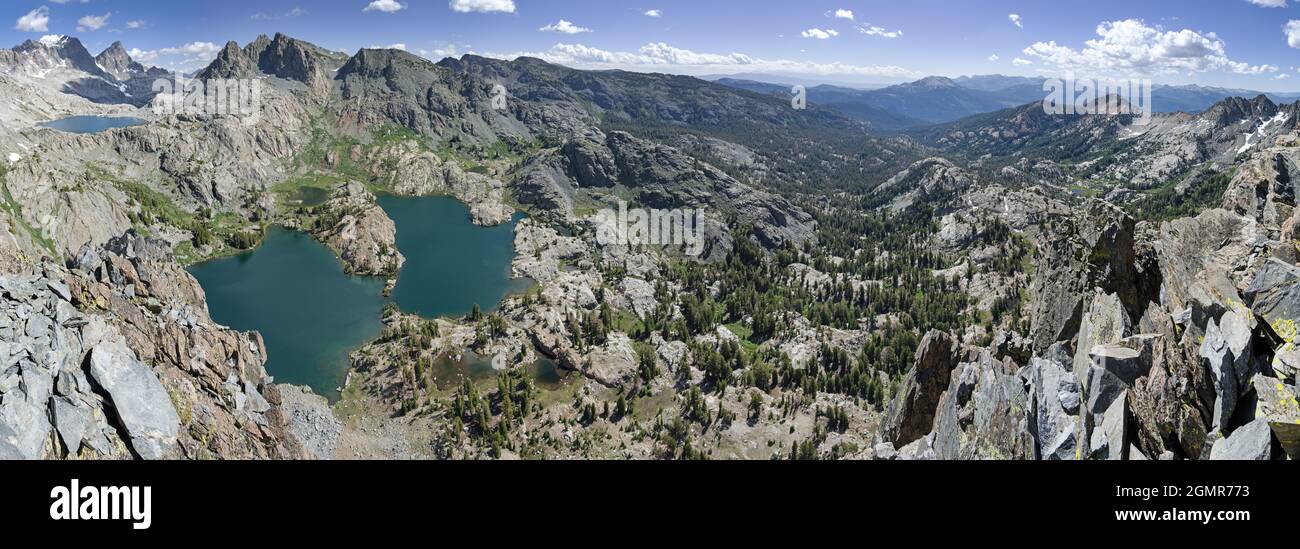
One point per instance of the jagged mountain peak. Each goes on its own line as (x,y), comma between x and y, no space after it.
(118,62)
(282,56)
(1234,110)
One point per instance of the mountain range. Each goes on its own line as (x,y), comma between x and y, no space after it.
(933,270)
(938,100)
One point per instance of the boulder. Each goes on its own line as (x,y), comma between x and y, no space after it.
(911,413)
(1105,323)
(23,426)
(1056,400)
(1111,439)
(1110,375)
(1251,442)
(1274,294)
(1171,406)
(71,421)
(1277,405)
(1219,361)
(142,404)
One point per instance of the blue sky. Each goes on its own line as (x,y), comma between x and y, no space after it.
(1234,43)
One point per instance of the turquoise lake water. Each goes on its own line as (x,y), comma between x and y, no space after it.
(91,124)
(294,291)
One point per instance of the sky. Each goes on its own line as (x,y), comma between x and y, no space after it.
(1248,44)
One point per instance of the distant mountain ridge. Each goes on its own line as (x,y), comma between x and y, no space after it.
(941,100)
(63,62)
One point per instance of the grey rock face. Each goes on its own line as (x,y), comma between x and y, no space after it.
(1253,442)
(71,420)
(1056,404)
(1219,360)
(1110,441)
(911,413)
(141,402)
(26,424)
(1277,404)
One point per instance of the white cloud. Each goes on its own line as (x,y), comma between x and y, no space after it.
(564,27)
(661,57)
(482,6)
(386,6)
(1021,62)
(191,55)
(37,20)
(994,57)
(872,30)
(397,46)
(1015,19)
(1269,3)
(93,22)
(298,12)
(137,24)
(1134,48)
(654,13)
(1282,76)
(820,34)
(844,14)
(1292,30)
(439,53)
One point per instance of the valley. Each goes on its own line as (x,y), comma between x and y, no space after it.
(896,282)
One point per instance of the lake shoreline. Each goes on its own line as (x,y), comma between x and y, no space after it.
(314,315)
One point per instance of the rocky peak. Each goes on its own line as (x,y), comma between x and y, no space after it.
(1233,110)
(255,48)
(231,62)
(116,61)
(52,50)
(293,59)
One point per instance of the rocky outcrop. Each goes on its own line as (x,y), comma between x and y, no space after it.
(411,169)
(1095,253)
(661,177)
(910,415)
(983,414)
(115,357)
(353,225)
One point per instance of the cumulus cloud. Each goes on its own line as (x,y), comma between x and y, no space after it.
(661,57)
(1021,62)
(820,34)
(1292,30)
(37,20)
(564,27)
(137,24)
(1015,20)
(295,12)
(654,13)
(994,57)
(872,30)
(1133,47)
(482,6)
(191,55)
(386,6)
(93,22)
(1269,3)
(844,14)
